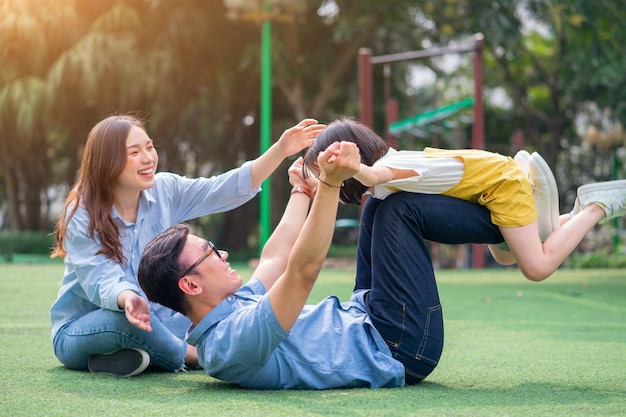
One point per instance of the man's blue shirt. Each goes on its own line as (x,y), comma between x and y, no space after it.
(331,345)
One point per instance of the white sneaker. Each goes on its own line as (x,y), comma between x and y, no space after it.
(521,158)
(546,195)
(610,195)
(123,362)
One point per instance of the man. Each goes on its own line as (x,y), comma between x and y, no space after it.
(262,335)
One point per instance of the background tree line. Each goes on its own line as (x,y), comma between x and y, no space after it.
(553,70)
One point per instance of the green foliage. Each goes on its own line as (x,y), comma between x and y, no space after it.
(195,74)
(597,260)
(342,251)
(31,242)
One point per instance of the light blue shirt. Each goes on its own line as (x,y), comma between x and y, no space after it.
(331,345)
(93,281)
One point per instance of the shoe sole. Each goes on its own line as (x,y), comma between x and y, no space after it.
(601,186)
(537,163)
(124,362)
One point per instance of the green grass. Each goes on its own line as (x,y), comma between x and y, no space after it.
(513,348)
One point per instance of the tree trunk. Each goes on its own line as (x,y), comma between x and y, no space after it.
(11,183)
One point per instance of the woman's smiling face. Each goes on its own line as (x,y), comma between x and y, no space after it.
(141,162)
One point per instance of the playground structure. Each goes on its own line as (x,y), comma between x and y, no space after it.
(366,61)
(422,124)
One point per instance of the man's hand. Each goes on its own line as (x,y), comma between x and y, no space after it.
(297,179)
(299,137)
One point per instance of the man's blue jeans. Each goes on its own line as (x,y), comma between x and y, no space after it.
(394,262)
(104,331)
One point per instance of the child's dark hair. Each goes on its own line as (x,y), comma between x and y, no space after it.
(344,129)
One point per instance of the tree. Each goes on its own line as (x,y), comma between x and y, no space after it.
(36,27)
(554,58)
(195,75)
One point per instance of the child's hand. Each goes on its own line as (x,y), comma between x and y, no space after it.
(340,161)
(300,136)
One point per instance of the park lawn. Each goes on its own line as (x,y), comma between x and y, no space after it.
(513,348)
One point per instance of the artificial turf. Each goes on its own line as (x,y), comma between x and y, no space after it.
(513,348)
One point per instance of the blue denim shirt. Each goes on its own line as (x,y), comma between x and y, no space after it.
(94,281)
(331,345)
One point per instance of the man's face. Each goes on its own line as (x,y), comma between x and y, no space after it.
(213,274)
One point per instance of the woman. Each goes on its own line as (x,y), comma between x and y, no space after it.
(117,205)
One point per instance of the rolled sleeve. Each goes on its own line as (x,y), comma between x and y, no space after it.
(101,279)
(192,198)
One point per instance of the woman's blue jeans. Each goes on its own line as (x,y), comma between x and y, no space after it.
(104,331)
(394,262)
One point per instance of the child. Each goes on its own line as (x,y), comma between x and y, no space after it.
(486,178)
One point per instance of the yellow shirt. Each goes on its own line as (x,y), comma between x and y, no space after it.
(487,178)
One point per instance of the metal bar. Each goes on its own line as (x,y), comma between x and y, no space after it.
(404,56)
(366,114)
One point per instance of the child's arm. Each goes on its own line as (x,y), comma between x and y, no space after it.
(370,176)
(380,174)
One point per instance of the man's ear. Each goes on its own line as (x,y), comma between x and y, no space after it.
(188,286)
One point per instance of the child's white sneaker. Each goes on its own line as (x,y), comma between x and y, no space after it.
(521,158)
(546,195)
(610,195)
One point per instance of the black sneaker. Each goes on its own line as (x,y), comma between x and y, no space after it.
(123,362)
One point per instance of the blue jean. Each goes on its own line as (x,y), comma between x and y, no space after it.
(394,262)
(104,331)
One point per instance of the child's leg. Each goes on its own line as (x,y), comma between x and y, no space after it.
(501,252)
(545,194)
(538,261)
(506,257)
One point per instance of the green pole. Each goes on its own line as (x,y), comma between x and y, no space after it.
(616,238)
(266,127)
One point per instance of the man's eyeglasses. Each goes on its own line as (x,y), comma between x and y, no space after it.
(211,249)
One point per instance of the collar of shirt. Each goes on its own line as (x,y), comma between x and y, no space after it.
(221,311)
(253,288)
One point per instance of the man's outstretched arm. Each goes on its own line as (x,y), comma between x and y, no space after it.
(276,251)
(290,292)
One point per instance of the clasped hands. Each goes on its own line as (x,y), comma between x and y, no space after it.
(340,161)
